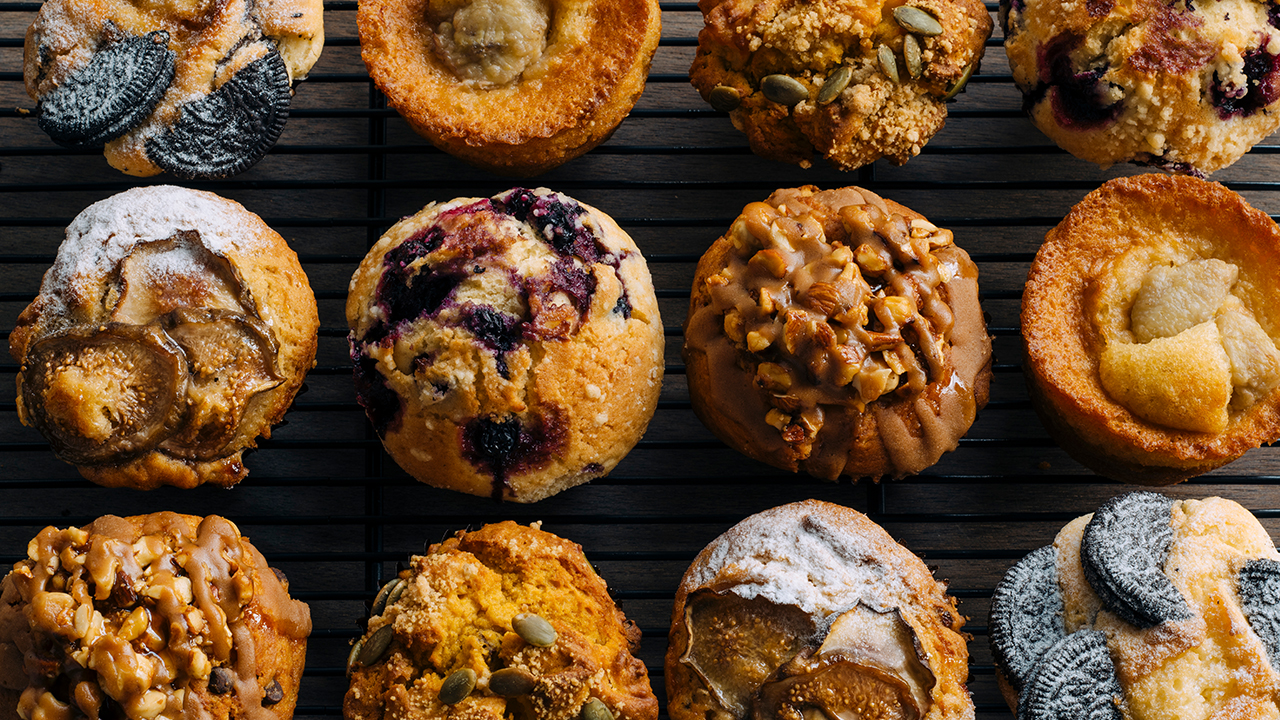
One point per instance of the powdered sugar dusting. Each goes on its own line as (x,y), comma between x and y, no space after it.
(801,554)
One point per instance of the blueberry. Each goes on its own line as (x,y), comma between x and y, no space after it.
(498,331)
(623,306)
(578,283)
(508,444)
(1260,90)
(405,295)
(1078,98)
(1273,14)
(381,404)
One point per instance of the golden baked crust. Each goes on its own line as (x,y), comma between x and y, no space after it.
(455,610)
(507,346)
(868,111)
(142,275)
(807,347)
(782,582)
(215,633)
(1078,299)
(521,116)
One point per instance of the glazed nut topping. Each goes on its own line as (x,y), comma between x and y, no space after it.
(130,614)
(837,306)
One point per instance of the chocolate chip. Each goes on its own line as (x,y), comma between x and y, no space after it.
(221,681)
(1123,551)
(112,94)
(1026,615)
(1075,679)
(1260,600)
(231,128)
(273,694)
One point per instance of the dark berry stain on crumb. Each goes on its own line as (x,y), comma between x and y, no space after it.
(502,446)
(380,403)
(1260,90)
(1078,97)
(499,332)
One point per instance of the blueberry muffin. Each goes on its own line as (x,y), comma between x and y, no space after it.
(1149,608)
(1185,86)
(810,610)
(852,80)
(501,623)
(1150,320)
(194,88)
(172,331)
(154,616)
(507,346)
(837,333)
(516,87)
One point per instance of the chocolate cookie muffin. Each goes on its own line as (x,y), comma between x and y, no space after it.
(507,346)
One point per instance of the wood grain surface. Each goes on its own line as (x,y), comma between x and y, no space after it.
(326,505)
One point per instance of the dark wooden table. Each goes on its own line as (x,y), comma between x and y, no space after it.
(325,504)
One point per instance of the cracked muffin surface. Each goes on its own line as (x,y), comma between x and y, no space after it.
(507,346)
(503,622)
(154,616)
(850,80)
(1185,86)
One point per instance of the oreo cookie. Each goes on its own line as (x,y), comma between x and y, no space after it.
(112,94)
(1260,599)
(1075,680)
(230,129)
(1123,551)
(1026,615)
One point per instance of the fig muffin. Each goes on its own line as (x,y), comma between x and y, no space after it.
(160,615)
(810,610)
(507,346)
(1150,608)
(837,333)
(850,80)
(195,89)
(500,623)
(172,331)
(1150,319)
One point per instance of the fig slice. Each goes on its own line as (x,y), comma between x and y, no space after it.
(842,690)
(161,276)
(879,638)
(104,394)
(232,358)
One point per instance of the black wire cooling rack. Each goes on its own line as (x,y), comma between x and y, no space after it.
(326,505)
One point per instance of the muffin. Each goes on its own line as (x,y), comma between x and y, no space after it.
(504,622)
(837,333)
(516,87)
(160,615)
(1149,608)
(506,346)
(1185,86)
(812,610)
(1150,319)
(195,89)
(172,331)
(853,80)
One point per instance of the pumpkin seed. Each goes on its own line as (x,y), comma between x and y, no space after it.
(381,601)
(913,19)
(724,98)
(511,682)
(351,656)
(457,686)
(911,54)
(396,592)
(888,63)
(783,89)
(535,631)
(959,84)
(595,710)
(376,646)
(835,84)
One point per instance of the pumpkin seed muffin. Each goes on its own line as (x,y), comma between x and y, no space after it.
(837,333)
(810,610)
(172,331)
(194,88)
(504,622)
(853,80)
(154,616)
(507,346)
(1185,86)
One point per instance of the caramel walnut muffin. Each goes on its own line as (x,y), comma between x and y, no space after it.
(1149,609)
(194,88)
(155,616)
(810,610)
(516,87)
(1186,86)
(507,346)
(504,622)
(854,80)
(837,333)
(173,330)
(1150,319)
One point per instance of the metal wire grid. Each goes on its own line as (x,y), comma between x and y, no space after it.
(339,528)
